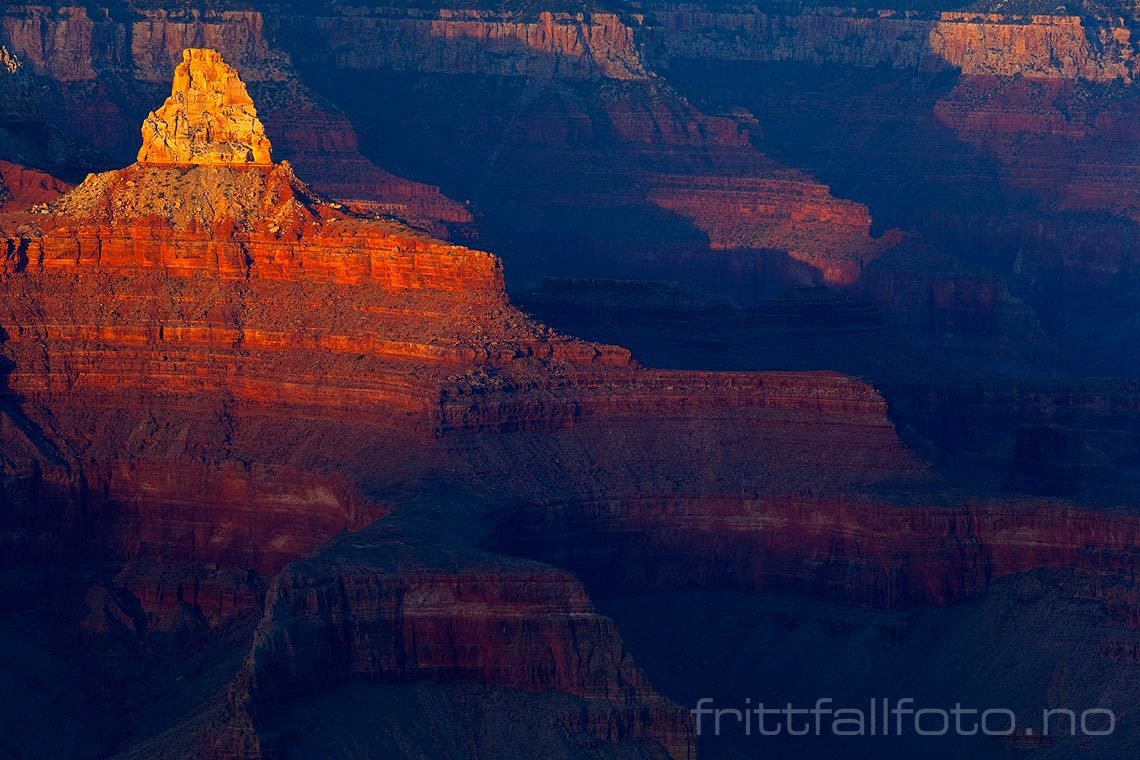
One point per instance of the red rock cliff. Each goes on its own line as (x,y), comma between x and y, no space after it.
(1041,46)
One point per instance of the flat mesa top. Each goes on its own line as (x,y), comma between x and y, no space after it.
(208,119)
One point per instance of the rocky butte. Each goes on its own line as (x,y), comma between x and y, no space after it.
(289,477)
(209,118)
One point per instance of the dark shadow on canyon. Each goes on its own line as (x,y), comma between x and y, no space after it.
(778,648)
(529,154)
(887,138)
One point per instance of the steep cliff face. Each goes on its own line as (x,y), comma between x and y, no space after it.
(210,372)
(806,235)
(208,363)
(960,310)
(1074,153)
(1077,440)
(385,607)
(1000,44)
(1022,164)
(1027,182)
(176,310)
(159,36)
(881,555)
(583,45)
(692,190)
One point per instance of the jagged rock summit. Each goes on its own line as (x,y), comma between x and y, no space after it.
(209,118)
(205,163)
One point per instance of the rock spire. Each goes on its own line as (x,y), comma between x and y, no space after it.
(209,118)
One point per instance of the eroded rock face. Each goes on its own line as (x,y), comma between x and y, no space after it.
(209,118)
(1002,44)
(568,46)
(679,166)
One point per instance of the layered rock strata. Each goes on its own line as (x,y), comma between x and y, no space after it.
(384,606)
(575,140)
(1000,44)
(304,367)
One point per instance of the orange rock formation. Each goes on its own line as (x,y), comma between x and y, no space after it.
(209,118)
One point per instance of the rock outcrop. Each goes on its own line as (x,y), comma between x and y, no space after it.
(209,118)
(397,605)
(579,46)
(1039,46)
(21,187)
(132,56)
(211,370)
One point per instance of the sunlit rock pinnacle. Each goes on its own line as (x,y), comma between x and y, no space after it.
(209,118)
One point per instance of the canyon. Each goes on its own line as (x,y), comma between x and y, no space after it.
(613,113)
(181,436)
(285,471)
